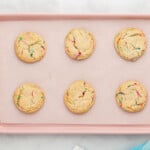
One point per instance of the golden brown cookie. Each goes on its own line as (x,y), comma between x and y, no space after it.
(79,44)
(29,98)
(130,43)
(79,97)
(30,47)
(131,96)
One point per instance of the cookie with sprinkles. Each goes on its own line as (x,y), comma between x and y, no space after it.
(79,44)
(130,43)
(131,96)
(30,47)
(79,97)
(29,98)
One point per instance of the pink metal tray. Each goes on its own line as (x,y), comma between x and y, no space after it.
(105,70)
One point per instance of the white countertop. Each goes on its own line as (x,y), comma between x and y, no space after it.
(67,142)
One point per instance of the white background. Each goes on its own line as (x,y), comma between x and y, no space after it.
(67,142)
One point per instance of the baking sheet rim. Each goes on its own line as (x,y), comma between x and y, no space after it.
(69,129)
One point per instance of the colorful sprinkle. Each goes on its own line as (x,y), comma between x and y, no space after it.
(20,38)
(136,34)
(137,92)
(19,96)
(31,54)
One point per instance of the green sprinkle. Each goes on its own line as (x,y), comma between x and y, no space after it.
(138,48)
(130,85)
(42,97)
(31,51)
(120,99)
(137,103)
(19,96)
(20,38)
(31,54)
(136,34)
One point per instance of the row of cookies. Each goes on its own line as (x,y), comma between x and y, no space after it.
(130,44)
(30,47)
(80,96)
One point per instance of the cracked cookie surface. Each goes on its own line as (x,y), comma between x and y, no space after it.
(29,98)
(130,43)
(79,97)
(30,47)
(79,44)
(131,96)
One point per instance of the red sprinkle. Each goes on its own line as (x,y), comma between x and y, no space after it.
(137,92)
(79,53)
(73,41)
(32,94)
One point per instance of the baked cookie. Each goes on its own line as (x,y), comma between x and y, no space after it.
(131,96)
(130,43)
(79,97)
(29,98)
(30,47)
(79,44)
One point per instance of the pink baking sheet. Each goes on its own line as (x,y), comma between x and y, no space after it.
(105,70)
